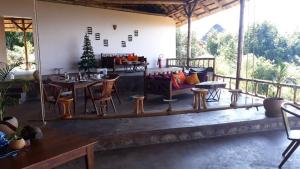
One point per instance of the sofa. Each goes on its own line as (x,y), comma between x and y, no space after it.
(119,60)
(161,83)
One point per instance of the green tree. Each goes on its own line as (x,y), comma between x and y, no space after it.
(88,60)
(264,40)
(181,45)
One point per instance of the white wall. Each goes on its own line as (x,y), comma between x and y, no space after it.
(62,27)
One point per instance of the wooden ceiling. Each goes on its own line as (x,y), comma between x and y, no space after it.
(17,24)
(170,8)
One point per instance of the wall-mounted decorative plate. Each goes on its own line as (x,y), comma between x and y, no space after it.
(97,36)
(89,30)
(129,38)
(105,42)
(136,33)
(123,44)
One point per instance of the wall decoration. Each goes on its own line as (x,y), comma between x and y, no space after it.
(105,42)
(89,30)
(136,33)
(123,44)
(97,36)
(129,38)
(114,27)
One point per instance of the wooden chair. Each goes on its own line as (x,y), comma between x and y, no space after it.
(101,92)
(51,93)
(292,134)
(115,86)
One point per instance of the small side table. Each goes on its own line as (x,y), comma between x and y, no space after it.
(199,96)
(139,104)
(66,103)
(234,97)
(170,101)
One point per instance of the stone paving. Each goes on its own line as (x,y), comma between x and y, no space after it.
(247,151)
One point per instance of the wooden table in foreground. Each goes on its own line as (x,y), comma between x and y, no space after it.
(53,150)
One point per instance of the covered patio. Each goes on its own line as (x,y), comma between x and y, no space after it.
(131,115)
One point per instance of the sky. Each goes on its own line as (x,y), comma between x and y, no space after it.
(282,13)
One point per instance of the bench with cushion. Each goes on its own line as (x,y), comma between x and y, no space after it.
(169,82)
(119,60)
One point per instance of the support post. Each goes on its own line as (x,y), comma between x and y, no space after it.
(189,48)
(189,9)
(25,44)
(240,44)
(3,55)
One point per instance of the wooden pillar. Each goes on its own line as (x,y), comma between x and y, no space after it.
(240,44)
(189,39)
(3,54)
(189,9)
(25,44)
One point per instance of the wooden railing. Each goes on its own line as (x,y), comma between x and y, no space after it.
(262,88)
(254,87)
(193,63)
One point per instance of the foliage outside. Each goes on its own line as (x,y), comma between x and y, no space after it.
(268,55)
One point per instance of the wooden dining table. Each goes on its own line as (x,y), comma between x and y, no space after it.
(73,85)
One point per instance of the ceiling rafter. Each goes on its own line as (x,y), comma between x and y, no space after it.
(171,8)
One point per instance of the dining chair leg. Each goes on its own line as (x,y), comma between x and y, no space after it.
(95,107)
(117,94)
(289,154)
(288,148)
(113,104)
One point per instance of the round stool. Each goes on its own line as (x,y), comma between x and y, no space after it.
(170,101)
(139,104)
(199,96)
(66,103)
(234,97)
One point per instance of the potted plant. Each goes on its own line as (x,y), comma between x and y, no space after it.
(16,142)
(8,124)
(272,104)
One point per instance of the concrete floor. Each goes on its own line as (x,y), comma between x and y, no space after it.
(250,151)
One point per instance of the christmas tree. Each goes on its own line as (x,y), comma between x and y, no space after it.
(88,60)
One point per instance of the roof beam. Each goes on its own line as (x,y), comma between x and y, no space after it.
(137,2)
(218,3)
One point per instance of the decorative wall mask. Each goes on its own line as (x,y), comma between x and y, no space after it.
(97,36)
(123,44)
(89,30)
(129,38)
(105,42)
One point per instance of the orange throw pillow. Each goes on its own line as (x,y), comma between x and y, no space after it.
(192,79)
(130,58)
(176,81)
(181,77)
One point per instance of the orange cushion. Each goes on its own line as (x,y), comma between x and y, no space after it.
(181,77)
(130,58)
(176,81)
(192,79)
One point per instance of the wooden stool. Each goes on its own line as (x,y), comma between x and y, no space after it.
(170,101)
(139,104)
(66,105)
(199,96)
(234,97)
